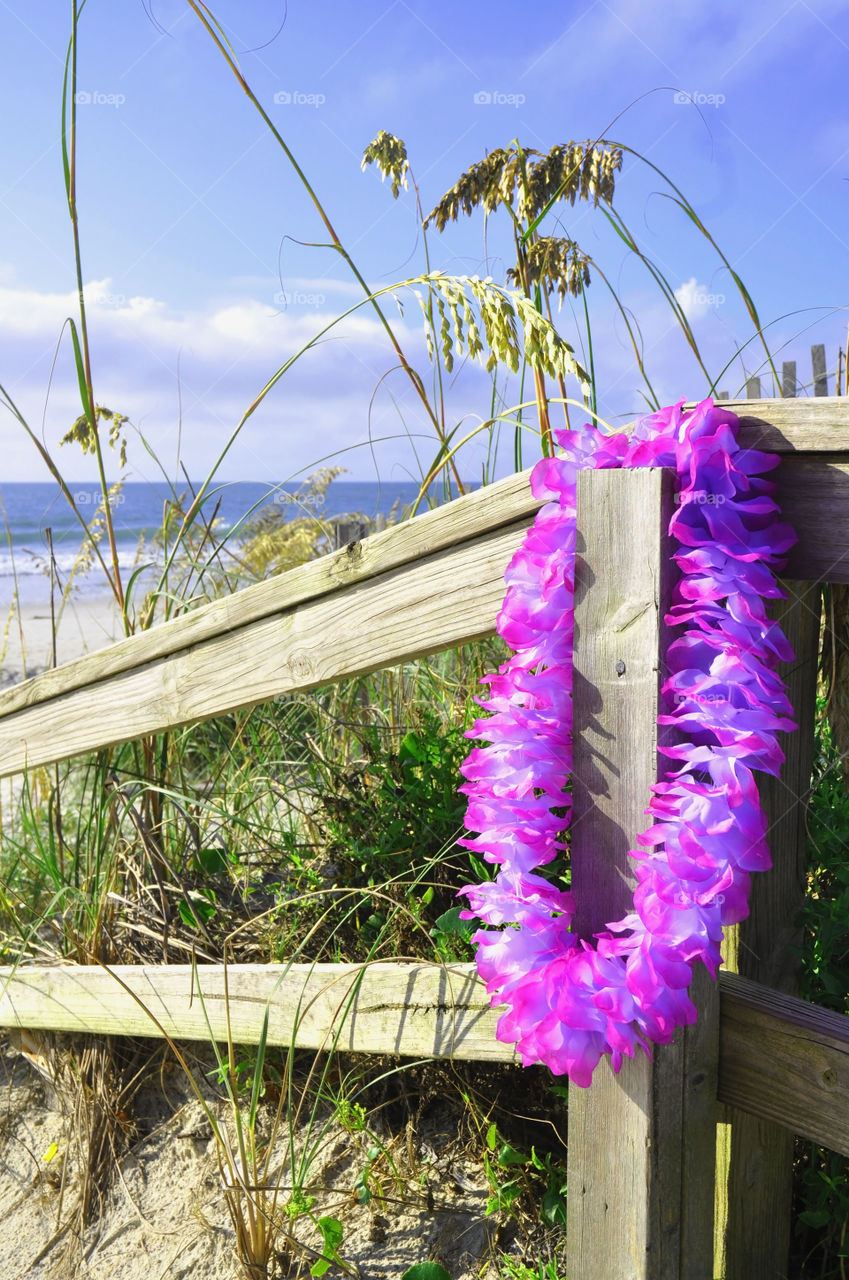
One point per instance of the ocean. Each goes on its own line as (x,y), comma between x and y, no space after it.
(29,510)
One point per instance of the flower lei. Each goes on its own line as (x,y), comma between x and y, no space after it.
(570,1002)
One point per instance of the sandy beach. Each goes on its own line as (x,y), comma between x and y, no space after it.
(85,625)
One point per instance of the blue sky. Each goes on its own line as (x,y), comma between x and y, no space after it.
(196,233)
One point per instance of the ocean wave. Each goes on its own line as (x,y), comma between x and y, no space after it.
(29,564)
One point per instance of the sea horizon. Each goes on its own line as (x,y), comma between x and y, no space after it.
(30,509)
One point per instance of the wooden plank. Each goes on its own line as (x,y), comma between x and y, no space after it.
(818,369)
(417,1010)
(803,426)
(794,426)
(486,509)
(788,378)
(781,1059)
(641,1144)
(753,388)
(813,494)
(785,1061)
(442,600)
(765,947)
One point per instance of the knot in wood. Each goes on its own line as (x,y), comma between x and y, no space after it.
(300,666)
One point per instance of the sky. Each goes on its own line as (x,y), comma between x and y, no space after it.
(207,266)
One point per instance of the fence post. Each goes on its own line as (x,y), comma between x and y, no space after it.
(641,1144)
(759,1155)
(754,1157)
(819,370)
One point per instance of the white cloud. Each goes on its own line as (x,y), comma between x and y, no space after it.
(186,377)
(697,299)
(189,376)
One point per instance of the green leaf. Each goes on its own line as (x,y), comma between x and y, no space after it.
(88,408)
(815,1217)
(331,1236)
(193,914)
(411,749)
(213,860)
(509,1155)
(554,1208)
(449,922)
(426,1271)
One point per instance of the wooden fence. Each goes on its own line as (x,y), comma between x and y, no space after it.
(669,1153)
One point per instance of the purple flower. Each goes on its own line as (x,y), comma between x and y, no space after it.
(569,1003)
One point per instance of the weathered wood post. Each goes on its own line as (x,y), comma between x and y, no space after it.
(754,1157)
(641,1144)
(755,1241)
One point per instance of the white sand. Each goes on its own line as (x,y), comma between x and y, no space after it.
(85,625)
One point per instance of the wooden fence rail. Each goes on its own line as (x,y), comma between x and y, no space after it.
(641,1145)
(780,1059)
(425,585)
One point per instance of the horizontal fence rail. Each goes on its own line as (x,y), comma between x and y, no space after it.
(780,1058)
(435,602)
(426,584)
(419,1010)
(784,1060)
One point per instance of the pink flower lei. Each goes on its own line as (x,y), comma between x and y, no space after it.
(570,1002)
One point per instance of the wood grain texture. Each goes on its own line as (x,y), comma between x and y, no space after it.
(765,948)
(788,426)
(442,600)
(781,1059)
(813,494)
(784,1061)
(641,1144)
(415,1010)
